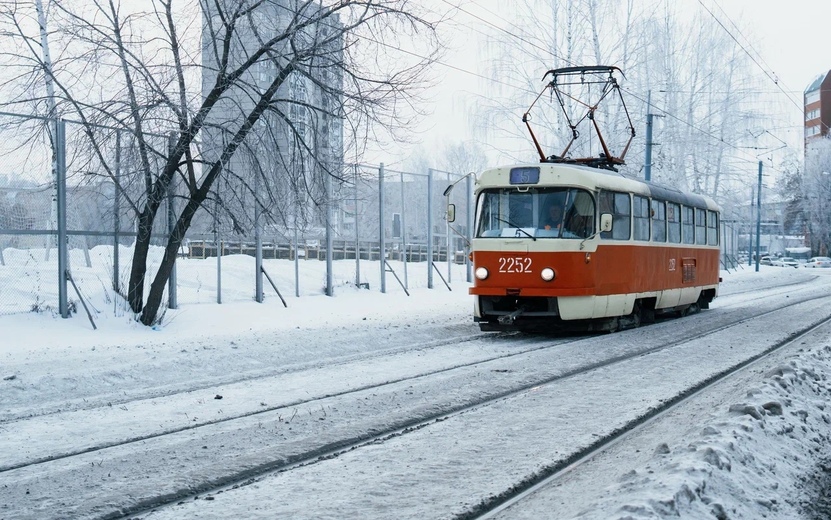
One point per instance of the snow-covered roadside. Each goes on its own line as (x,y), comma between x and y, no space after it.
(30,333)
(761,457)
(756,447)
(675,469)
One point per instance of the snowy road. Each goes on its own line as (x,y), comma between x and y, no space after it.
(421,420)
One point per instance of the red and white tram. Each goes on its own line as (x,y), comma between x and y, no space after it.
(613,252)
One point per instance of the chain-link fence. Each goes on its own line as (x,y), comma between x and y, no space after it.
(68,224)
(730,245)
(86,197)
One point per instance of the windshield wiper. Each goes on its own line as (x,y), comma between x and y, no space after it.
(532,237)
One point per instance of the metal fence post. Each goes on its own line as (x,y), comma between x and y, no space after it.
(171,222)
(258,258)
(357,236)
(296,255)
(381,238)
(404,233)
(258,239)
(448,241)
(329,289)
(63,254)
(218,245)
(429,228)
(116,212)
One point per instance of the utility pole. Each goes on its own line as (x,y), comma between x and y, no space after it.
(758,214)
(750,231)
(647,167)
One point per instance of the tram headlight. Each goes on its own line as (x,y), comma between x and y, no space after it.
(547,274)
(481,273)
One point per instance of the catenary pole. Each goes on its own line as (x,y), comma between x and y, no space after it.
(750,231)
(758,214)
(258,241)
(449,242)
(469,206)
(647,167)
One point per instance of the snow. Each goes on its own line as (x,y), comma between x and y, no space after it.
(749,449)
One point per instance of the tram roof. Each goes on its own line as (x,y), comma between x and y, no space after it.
(560,174)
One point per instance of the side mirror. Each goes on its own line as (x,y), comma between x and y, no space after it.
(451,213)
(606,222)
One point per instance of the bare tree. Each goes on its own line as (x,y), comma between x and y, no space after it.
(816,194)
(701,82)
(543,36)
(463,157)
(206,92)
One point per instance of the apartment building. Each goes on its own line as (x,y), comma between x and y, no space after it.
(818,108)
(298,143)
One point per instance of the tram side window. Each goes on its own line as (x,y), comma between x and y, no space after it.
(712,228)
(674,222)
(659,221)
(700,226)
(641,214)
(618,205)
(579,219)
(688,224)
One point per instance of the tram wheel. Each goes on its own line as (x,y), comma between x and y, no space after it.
(647,313)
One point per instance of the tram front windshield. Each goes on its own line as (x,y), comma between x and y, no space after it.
(535,213)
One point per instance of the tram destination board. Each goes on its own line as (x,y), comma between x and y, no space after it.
(525,175)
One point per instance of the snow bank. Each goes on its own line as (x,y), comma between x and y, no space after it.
(759,458)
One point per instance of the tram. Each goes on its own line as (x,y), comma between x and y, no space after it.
(618,252)
(571,243)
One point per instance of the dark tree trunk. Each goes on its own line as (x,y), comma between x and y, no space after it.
(154,297)
(138,268)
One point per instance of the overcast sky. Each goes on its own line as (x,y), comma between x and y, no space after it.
(785,40)
(791,37)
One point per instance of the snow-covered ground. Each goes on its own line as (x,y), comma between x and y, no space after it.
(763,456)
(755,457)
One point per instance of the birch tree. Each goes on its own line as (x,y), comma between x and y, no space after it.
(550,35)
(700,81)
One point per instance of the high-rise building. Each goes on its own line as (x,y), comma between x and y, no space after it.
(298,141)
(818,108)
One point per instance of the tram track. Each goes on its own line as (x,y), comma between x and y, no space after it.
(511,383)
(538,343)
(466,415)
(111,400)
(170,389)
(494,507)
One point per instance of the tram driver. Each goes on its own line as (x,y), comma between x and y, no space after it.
(553,219)
(563,223)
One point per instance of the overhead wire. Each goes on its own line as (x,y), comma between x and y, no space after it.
(548,51)
(672,116)
(509,33)
(749,54)
(442,63)
(705,132)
